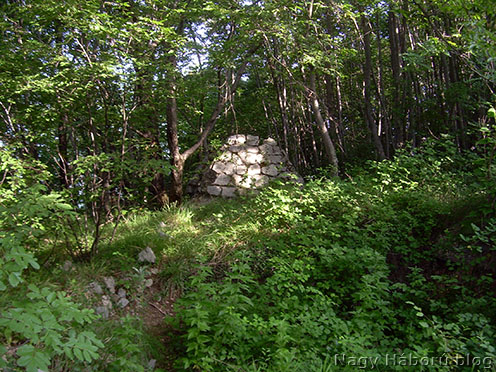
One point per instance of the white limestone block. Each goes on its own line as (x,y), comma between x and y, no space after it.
(254,158)
(236,148)
(270,141)
(275,150)
(222,180)
(229,168)
(237,159)
(242,154)
(275,158)
(236,139)
(225,156)
(265,149)
(219,167)
(254,169)
(241,169)
(243,181)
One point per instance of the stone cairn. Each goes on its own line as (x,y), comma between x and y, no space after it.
(245,165)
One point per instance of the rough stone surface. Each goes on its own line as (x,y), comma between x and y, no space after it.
(252,140)
(103,311)
(238,138)
(238,180)
(121,293)
(261,180)
(151,364)
(236,148)
(253,169)
(229,192)
(219,167)
(222,180)
(229,169)
(147,255)
(265,149)
(245,163)
(275,159)
(95,288)
(123,302)
(270,141)
(270,170)
(252,158)
(110,283)
(241,169)
(107,302)
(226,156)
(214,190)
(236,159)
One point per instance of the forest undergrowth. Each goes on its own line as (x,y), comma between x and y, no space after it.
(390,269)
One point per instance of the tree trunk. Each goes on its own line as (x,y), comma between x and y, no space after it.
(396,123)
(177,162)
(367,73)
(380,90)
(326,138)
(62,151)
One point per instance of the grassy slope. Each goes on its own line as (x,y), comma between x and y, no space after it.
(179,237)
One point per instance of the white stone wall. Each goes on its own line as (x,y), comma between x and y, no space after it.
(246,164)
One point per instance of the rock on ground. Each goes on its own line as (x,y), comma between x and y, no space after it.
(110,283)
(95,288)
(147,255)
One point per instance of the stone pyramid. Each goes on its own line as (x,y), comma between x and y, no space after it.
(245,164)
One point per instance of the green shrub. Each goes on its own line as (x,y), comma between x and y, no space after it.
(42,325)
(346,268)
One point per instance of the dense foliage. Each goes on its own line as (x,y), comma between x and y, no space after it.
(397,260)
(41,322)
(106,94)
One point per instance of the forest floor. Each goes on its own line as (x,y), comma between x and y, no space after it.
(178,236)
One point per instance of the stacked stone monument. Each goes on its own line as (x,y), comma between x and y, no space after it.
(245,164)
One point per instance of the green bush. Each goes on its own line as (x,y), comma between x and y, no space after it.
(346,268)
(41,326)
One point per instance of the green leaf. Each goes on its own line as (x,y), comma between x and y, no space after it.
(32,359)
(34,264)
(15,279)
(78,353)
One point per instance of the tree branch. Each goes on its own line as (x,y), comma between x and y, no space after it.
(220,105)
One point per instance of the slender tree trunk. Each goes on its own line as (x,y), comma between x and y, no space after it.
(326,138)
(281,94)
(367,73)
(396,123)
(62,150)
(63,124)
(177,161)
(340,115)
(380,91)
